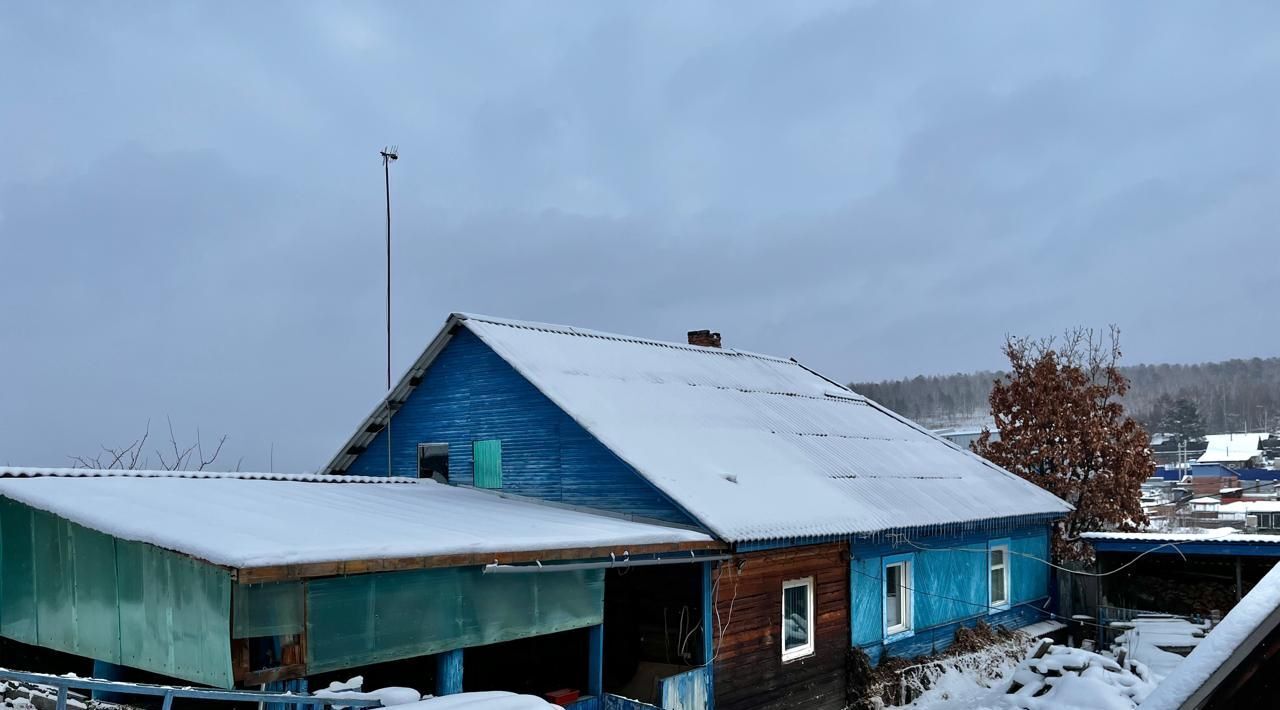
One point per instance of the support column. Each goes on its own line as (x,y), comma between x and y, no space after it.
(297,686)
(595,660)
(449,672)
(1239,582)
(709,629)
(104,670)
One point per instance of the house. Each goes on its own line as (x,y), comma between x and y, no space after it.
(848,526)
(241,579)
(1234,450)
(1237,665)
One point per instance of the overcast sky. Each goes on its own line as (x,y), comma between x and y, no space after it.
(191,199)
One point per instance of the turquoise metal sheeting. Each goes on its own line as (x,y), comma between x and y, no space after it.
(353,621)
(80,591)
(267,610)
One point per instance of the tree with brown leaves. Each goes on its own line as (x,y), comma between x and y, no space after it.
(1063,428)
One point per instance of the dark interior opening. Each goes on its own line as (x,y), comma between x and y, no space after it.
(534,666)
(652,627)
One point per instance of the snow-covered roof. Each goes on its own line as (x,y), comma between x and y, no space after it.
(39,472)
(1228,448)
(1222,650)
(754,447)
(1251,506)
(1237,538)
(242,521)
(1205,501)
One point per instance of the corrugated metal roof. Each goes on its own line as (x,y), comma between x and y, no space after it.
(242,521)
(37,472)
(1240,539)
(753,446)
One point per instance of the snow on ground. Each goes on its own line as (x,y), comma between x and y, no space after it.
(1063,679)
(1149,640)
(492,700)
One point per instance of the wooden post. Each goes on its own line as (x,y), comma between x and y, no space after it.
(449,672)
(595,661)
(708,630)
(1239,582)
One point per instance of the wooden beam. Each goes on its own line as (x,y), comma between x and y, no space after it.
(282,573)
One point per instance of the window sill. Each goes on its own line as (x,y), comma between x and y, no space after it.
(890,637)
(798,655)
(997,608)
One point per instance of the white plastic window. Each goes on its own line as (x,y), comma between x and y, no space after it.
(897,598)
(999,563)
(797,618)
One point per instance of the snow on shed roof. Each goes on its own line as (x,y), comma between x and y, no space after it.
(1222,448)
(1222,650)
(753,446)
(243,521)
(1238,538)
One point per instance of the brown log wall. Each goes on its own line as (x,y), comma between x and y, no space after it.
(749,671)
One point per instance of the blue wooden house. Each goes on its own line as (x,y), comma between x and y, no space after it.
(848,526)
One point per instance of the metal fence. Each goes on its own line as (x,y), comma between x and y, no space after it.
(65,683)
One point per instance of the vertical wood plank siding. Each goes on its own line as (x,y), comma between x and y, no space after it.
(470,393)
(749,672)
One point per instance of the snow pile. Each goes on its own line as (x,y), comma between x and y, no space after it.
(491,700)
(1155,640)
(1060,678)
(1251,620)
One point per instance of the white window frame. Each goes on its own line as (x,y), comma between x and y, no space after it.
(994,606)
(906,597)
(806,649)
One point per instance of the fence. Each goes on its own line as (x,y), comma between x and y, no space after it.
(65,683)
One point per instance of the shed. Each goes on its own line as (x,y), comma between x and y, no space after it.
(242,578)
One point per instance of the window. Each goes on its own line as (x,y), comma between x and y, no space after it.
(486,460)
(797,618)
(897,596)
(998,566)
(433,462)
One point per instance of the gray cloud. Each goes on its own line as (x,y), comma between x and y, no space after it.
(190,196)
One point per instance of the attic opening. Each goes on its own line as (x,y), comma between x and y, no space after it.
(433,461)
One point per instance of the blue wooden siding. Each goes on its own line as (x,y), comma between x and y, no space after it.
(470,394)
(950,582)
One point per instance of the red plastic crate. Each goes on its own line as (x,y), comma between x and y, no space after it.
(562,697)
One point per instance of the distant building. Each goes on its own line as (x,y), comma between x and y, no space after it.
(964,437)
(1235,450)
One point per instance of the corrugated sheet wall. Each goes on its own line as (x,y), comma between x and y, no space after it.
(76,590)
(371,618)
(951,581)
(471,394)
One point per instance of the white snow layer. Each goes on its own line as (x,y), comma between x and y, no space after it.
(1251,619)
(1225,448)
(1218,535)
(241,522)
(757,447)
(488,700)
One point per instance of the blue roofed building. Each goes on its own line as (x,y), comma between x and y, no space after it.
(847,525)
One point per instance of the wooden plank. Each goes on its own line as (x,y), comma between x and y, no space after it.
(282,573)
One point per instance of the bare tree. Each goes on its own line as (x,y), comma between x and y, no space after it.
(133,456)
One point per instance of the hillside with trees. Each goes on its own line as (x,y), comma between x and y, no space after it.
(1215,397)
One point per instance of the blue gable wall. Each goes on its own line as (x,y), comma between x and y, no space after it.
(469,393)
(950,582)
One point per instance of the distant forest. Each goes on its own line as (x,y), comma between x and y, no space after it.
(1230,396)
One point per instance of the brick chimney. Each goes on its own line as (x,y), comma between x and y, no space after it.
(705,338)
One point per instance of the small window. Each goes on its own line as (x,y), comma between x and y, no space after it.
(433,462)
(486,457)
(897,598)
(998,563)
(797,618)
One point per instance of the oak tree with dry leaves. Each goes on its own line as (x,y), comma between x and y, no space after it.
(1062,427)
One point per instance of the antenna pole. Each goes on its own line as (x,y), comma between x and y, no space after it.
(388,155)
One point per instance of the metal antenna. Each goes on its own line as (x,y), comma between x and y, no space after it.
(388,155)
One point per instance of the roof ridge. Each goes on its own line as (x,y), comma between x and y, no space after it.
(618,337)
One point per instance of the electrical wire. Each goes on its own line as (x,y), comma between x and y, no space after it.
(1174,545)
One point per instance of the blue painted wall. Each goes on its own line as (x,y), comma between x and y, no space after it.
(470,393)
(950,580)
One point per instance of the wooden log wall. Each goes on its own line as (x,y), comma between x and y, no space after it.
(749,671)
